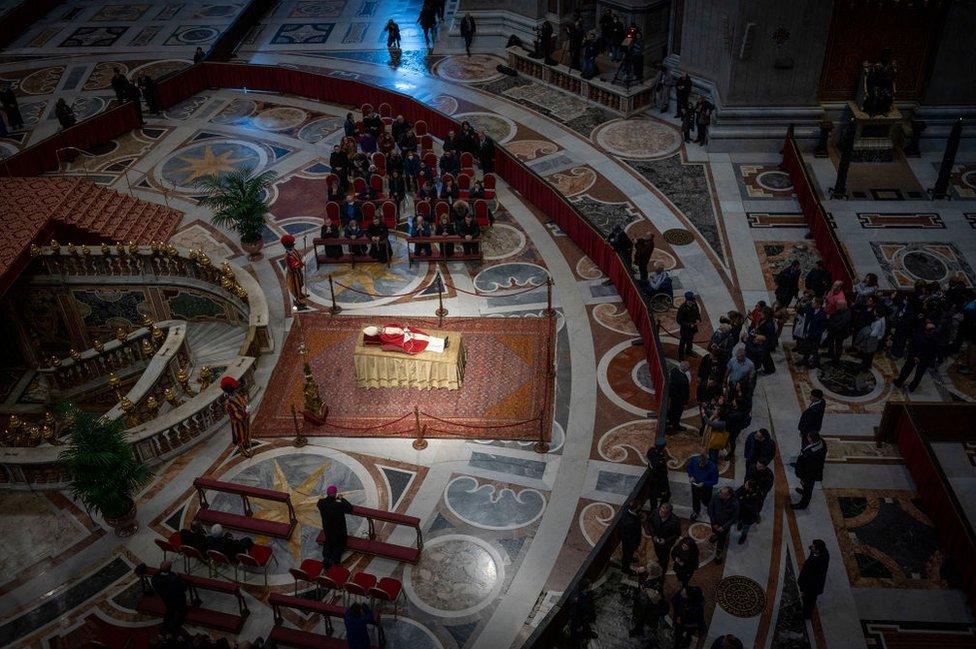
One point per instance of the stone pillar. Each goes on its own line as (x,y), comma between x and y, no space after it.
(653,17)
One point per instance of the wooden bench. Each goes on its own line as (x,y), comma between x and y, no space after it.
(247,522)
(437,253)
(346,257)
(296,637)
(151,604)
(370,545)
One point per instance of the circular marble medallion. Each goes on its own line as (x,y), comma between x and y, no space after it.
(101,76)
(280,118)
(845,378)
(499,128)
(969,178)
(158,69)
(637,138)
(364,284)
(678,237)
(457,575)
(41,82)
(446,104)
(404,632)
(317,130)
(502,241)
(924,265)
(196,35)
(777,181)
(183,168)
(235,111)
(741,596)
(86,106)
(477,68)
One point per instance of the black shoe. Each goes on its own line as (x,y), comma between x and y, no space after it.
(798,490)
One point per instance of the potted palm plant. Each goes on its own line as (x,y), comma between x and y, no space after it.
(239,202)
(104,475)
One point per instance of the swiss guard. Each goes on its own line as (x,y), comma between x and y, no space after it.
(296,273)
(238,411)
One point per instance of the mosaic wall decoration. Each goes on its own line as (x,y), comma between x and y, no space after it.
(194,307)
(886,540)
(934,261)
(94,36)
(103,308)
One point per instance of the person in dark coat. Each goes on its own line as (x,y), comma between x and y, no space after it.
(813,576)
(118,84)
(486,154)
(818,280)
(171,589)
(750,506)
(811,419)
(131,93)
(685,559)
(468,28)
(199,55)
(582,614)
(682,89)
(64,113)
(357,619)
(392,30)
(762,476)
(9,102)
(788,284)
(679,391)
(703,476)
(649,603)
(657,465)
(643,250)
(689,615)
(331,232)
(665,530)
(814,326)
(379,238)
(150,92)
(333,509)
(630,535)
(760,447)
(469,229)
(723,512)
(922,354)
(809,467)
(688,318)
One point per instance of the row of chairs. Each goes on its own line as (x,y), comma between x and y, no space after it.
(464,180)
(386,114)
(257,558)
(388,211)
(337,579)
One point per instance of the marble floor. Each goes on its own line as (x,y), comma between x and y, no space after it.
(505,527)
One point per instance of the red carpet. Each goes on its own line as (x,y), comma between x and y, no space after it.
(506,383)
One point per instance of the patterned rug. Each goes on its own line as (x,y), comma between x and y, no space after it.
(506,384)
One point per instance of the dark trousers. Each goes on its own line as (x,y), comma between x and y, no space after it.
(699,496)
(467,44)
(663,552)
(906,369)
(806,493)
(702,134)
(767,362)
(675,411)
(332,552)
(627,551)
(809,602)
(687,339)
(835,344)
(687,133)
(721,540)
(174,615)
(682,105)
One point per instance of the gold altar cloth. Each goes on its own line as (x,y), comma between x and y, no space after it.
(378,368)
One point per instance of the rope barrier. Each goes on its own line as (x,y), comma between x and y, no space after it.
(369,294)
(369,428)
(456,423)
(519,292)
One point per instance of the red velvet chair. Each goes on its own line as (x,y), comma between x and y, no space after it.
(430,159)
(481,213)
(358,185)
(367,109)
(218,558)
(387,590)
(386,110)
(189,552)
(332,211)
(376,182)
(369,210)
(309,571)
(467,163)
(426,144)
(170,545)
(489,183)
(335,580)
(257,558)
(389,214)
(441,208)
(464,185)
(360,584)
(447,177)
(423,209)
(420,128)
(379,161)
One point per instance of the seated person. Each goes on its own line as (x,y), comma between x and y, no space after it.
(195,537)
(394,163)
(397,188)
(449,163)
(408,141)
(350,210)
(469,230)
(427,192)
(373,123)
(386,144)
(659,281)
(331,232)
(378,233)
(445,229)
(226,544)
(338,159)
(411,170)
(353,231)
(360,165)
(367,193)
(367,142)
(450,191)
(420,228)
(459,210)
(399,127)
(450,141)
(477,191)
(333,192)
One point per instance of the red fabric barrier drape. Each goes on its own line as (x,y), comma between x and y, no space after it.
(830,249)
(954,535)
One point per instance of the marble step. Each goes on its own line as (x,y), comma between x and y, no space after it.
(213,342)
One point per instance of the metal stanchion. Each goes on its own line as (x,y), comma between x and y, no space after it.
(335,308)
(441,311)
(549,310)
(300,440)
(420,443)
